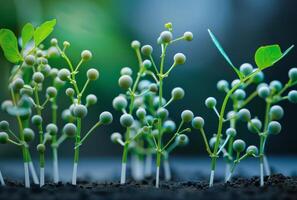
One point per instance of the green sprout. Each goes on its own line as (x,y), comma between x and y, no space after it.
(144,98)
(265,57)
(34,84)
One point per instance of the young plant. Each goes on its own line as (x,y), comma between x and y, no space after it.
(30,58)
(78,109)
(265,57)
(150,102)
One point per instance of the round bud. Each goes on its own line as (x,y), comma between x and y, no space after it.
(69,92)
(141,113)
(92,74)
(63,74)
(144,85)
(263,91)
(231,114)
(147,64)
(149,119)
(188,36)
(246,69)
(69,129)
(38,77)
(276,86)
(86,55)
(40,148)
(198,123)
(39,53)
(156,102)
(41,61)
(177,93)
(259,77)
(115,137)
(29,134)
(51,92)
(126,71)
(6,104)
(36,120)
(187,116)
(239,145)
(125,82)
(162,113)
(182,140)
(67,116)
(147,50)
(126,120)
(244,114)
(54,41)
(239,94)
(26,90)
(52,129)
(105,118)
(135,44)
(153,87)
(91,99)
(46,69)
(18,84)
(293,74)
(54,72)
(30,60)
(66,44)
(223,85)
(210,102)
(3,137)
(231,132)
(274,128)
(4,125)
(235,82)
(119,103)
(166,36)
(252,150)
(80,111)
(276,112)
(179,58)
(292,96)
(58,83)
(169,126)
(254,125)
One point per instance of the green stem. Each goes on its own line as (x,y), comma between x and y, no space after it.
(77,140)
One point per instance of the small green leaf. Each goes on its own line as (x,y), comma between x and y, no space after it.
(266,56)
(27,34)
(43,31)
(221,50)
(9,45)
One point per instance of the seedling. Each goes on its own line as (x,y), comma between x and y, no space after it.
(265,57)
(26,83)
(150,104)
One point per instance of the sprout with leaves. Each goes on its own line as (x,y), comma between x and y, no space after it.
(265,57)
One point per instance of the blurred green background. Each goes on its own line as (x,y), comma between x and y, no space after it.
(107,28)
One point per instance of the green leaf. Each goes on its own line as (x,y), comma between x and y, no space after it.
(9,45)
(266,56)
(43,31)
(27,34)
(221,50)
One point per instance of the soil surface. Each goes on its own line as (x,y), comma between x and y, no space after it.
(276,187)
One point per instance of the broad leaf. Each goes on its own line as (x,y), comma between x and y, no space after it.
(9,45)
(266,56)
(43,31)
(27,34)
(221,50)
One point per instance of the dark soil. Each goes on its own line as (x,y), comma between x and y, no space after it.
(276,187)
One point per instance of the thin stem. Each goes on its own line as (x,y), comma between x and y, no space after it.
(224,144)
(87,134)
(85,87)
(248,100)
(205,141)
(77,140)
